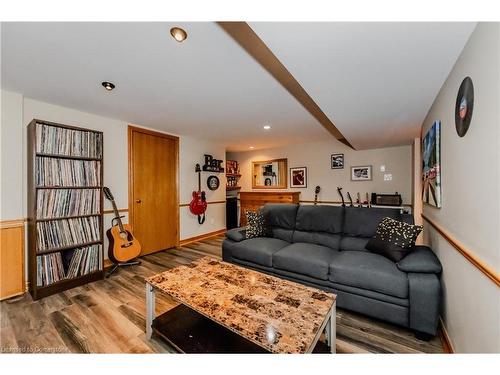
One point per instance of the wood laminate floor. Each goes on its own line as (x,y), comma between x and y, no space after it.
(107,316)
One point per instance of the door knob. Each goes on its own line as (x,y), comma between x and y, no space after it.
(138,201)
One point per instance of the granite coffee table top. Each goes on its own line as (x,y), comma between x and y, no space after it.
(279,315)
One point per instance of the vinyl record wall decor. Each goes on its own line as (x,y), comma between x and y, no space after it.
(464,106)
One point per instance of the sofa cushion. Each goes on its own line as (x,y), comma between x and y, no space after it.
(280,215)
(348,243)
(305,258)
(282,233)
(258,250)
(320,219)
(319,238)
(362,222)
(369,271)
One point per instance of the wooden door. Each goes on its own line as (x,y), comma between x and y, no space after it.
(153,189)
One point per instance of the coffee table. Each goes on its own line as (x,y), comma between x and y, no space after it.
(225,307)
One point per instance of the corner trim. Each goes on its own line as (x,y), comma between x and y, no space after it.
(202,237)
(445,338)
(467,253)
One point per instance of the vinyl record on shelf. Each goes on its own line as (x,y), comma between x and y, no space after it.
(464,106)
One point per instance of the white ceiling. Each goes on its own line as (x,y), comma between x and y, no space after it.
(207,86)
(375,81)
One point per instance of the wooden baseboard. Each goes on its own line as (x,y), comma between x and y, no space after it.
(202,237)
(445,339)
(107,264)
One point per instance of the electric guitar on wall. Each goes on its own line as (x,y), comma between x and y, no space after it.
(198,204)
(350,199)
(316,192)
(339,189)
(123,246)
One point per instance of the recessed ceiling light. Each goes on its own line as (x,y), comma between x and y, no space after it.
(178,34)
(251,147)
(267,127)
(108,85)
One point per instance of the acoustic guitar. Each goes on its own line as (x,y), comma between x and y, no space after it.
(123,246)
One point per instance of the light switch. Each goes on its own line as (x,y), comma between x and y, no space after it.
(382,168)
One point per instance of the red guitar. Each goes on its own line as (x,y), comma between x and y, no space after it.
(198,204)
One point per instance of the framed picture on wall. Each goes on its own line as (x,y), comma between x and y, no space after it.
(431,166)
(337,161)
(361,173)
(298,177)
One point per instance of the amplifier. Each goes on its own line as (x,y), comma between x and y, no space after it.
(387,199)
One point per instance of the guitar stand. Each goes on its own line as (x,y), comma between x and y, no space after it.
(123,264)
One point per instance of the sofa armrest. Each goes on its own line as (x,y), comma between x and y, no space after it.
(236,234)
(421,260)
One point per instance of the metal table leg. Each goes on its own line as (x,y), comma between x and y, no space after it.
(331,331)
(150,309)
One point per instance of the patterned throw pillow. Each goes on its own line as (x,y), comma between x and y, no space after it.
(256,224)
(394,239)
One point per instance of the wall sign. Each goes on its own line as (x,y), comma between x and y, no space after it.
(212,165)
(464,106)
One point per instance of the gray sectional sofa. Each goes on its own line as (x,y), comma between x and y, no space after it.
(324,247)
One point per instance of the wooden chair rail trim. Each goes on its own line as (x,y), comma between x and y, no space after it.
(213,202)
(111,211)
(467,253)
(4,224)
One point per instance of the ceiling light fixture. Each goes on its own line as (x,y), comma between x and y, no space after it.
(251,147)
(108,85)
(178,34)
(267,127)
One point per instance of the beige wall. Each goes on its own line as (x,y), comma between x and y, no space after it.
(316,157)
(11,154)
(470,195)
(17,112)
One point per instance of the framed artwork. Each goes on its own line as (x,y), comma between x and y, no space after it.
(431,166)
(298,177)
(361,173)
(337,161)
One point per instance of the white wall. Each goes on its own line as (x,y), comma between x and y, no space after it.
(17,112)
(11,154)
(470,194)
(191,152)
(316,157)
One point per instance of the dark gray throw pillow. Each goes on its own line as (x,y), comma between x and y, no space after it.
(257,225)
(394,239)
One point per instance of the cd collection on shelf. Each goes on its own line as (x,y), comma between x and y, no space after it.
(51,267)
(67,202)
(69,142)
(67,232)
(67,172)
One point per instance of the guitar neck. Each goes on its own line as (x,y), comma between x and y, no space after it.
(117,216)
